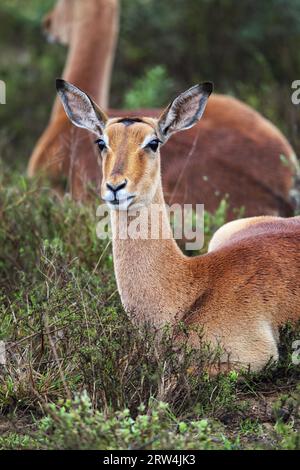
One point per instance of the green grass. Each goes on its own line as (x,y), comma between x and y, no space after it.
(79,375)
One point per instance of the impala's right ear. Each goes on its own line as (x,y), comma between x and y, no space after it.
(80,109)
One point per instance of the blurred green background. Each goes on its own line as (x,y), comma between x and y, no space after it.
(249,48)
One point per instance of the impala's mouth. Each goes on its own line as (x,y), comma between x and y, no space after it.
(120,204)
(116,201)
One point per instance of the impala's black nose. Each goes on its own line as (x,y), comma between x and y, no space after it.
(116,187)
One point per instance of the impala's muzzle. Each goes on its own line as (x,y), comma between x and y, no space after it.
(46,28)
(116,195)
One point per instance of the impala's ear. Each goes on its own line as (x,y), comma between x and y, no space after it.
(80,109)
(184,111)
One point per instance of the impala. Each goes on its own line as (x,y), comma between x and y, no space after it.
(233,150)
(240,292)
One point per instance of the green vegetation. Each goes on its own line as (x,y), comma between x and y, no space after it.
(150,91)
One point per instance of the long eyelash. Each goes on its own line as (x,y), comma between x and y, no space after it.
(158,140)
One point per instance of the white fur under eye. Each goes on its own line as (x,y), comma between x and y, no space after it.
(106,140)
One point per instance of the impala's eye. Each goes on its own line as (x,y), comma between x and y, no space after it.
(153,145)
(101,144)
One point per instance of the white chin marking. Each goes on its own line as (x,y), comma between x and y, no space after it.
(122,206)
(51,39)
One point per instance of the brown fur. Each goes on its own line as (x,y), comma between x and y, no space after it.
(233,150)
(233,229)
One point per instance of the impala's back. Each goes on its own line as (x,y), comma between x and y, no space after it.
(256,269)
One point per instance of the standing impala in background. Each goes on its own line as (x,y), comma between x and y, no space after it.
(91,30)
(233,150)
(239,293)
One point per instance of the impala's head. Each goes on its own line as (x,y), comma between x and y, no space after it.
(57,23)
(130,148)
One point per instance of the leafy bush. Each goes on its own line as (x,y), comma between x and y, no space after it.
(75,425)
(153,90)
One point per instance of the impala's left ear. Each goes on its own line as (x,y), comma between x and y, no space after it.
(184,111)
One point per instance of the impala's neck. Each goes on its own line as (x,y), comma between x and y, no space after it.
(92,48)
(154,278)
